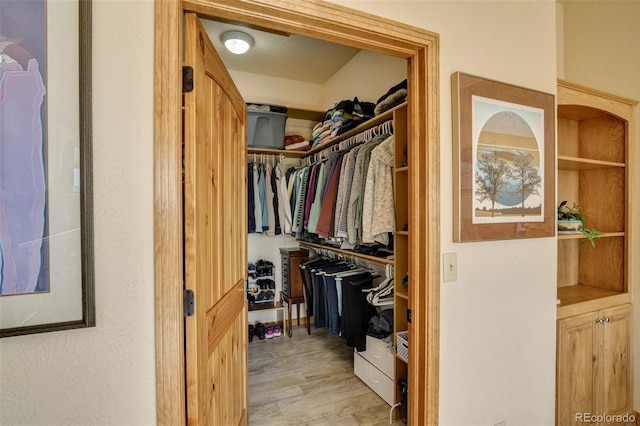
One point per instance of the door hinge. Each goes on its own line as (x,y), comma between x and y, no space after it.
(187,299)
(187,79)
(409,315)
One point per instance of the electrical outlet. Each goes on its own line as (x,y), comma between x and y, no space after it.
(450,266)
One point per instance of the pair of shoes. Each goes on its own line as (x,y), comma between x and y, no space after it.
(264,268)
(251,333)
(252,300)
(266,283)
(260,331)
(273,330)
(251,270)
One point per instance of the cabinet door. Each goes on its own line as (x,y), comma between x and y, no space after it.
(577,350)
(614,361)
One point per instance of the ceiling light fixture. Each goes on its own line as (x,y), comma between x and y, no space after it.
(236,41)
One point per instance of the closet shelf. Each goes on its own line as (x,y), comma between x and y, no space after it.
(378,119)
(283,152)
(348,254)
(402,169)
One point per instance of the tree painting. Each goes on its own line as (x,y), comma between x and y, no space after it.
(492,176)
(508,169)
(526,176)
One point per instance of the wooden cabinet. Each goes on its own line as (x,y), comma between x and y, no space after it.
(594,365)
(292,287)
(596,284)
(594,131)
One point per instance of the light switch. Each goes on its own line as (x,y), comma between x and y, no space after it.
(450,266)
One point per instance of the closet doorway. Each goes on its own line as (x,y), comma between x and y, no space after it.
(331,22)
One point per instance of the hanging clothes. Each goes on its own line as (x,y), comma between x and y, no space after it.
(378,195)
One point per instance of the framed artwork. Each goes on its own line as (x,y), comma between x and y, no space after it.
(503,160)
(46,215)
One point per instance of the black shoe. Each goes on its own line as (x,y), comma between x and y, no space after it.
(260,331)
(250,332)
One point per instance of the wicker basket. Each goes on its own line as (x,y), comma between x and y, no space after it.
(402,345)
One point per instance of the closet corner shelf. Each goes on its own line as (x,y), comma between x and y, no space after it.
(378,119)
(301,113)
(347,253)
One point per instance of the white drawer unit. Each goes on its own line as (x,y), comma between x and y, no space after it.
(379,354)
(375,368)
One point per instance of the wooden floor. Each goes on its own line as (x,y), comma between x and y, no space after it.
(309,380)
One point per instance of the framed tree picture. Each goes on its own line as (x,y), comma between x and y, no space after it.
(503,160)
(46,215)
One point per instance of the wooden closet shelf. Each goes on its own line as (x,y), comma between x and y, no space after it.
(348,254)
(283,152)
(378,119)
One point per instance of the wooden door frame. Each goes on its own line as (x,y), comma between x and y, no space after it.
(331,22)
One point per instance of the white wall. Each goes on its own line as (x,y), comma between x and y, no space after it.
(498,319)
(367,75)
(602,50)
(106,374)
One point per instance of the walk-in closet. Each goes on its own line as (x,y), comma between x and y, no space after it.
(327,215)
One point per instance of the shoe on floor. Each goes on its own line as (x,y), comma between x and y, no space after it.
(260,331)
(269,331)
(251,333)
(277,332)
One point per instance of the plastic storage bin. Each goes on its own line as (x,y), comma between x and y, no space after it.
(265,129)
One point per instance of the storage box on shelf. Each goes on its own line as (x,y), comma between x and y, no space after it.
(266,125)
(595,284)
(297,121)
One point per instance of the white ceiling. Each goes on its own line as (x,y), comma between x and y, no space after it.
(292,57)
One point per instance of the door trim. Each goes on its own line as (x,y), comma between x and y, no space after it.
(332,22)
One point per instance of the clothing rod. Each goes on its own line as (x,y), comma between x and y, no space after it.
(364,136)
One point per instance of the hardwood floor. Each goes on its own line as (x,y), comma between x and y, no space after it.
(309,380)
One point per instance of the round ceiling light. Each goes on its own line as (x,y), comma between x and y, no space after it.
(236,41)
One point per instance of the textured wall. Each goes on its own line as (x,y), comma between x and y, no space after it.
(104,375)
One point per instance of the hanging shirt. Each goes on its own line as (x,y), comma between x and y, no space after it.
(284,208)
(378,196)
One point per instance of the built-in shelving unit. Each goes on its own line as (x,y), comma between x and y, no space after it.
(595,283)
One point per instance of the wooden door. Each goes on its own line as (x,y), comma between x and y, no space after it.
(215,237)
(615,357)
(577,350)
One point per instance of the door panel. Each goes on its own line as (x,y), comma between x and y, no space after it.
(616,360)
(576,368)
(215,237)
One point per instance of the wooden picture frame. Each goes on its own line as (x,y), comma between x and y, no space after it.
(503,160)
(46,222)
